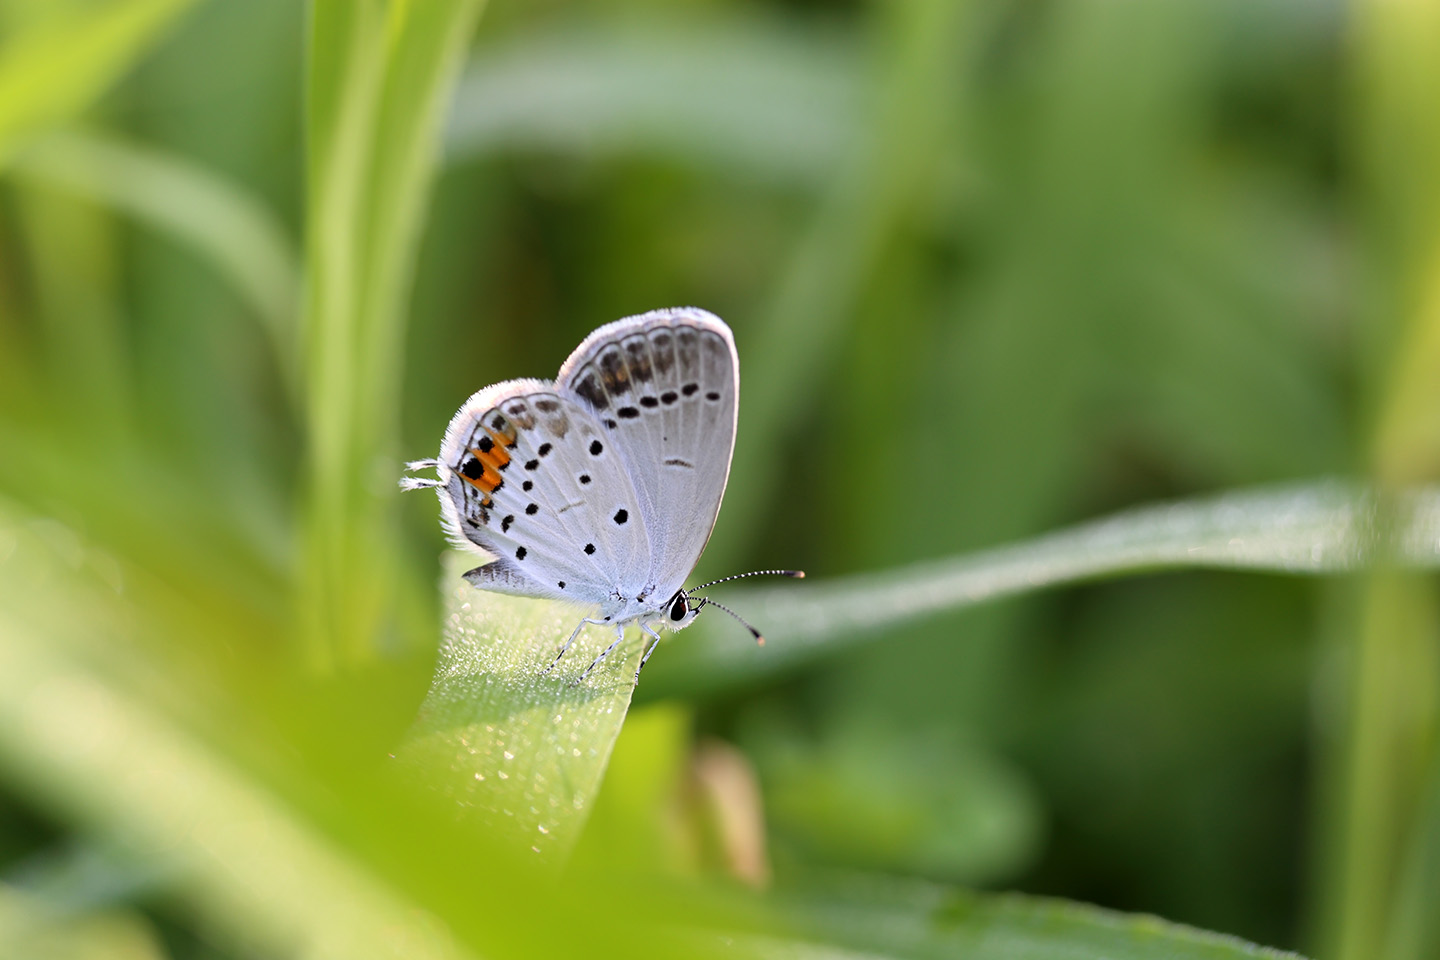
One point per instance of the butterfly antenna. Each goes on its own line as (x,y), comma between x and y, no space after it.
(759,640)
(797,574)
(417,483)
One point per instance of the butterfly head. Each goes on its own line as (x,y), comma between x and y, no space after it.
(682,610)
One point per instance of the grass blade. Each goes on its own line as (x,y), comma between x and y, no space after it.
(1313,529)
(1388,722)
(378,77)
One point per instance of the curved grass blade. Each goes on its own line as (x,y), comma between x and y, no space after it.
(1312,529)
(242,238)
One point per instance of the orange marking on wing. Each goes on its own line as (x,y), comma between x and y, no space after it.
(496,457)
(486,482)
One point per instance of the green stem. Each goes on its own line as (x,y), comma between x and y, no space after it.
(378,78)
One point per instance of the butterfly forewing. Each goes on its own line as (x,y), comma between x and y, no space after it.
(530,475)
(663,387)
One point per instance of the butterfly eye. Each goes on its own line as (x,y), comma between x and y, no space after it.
(678,609)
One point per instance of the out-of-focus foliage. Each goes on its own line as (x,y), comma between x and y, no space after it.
(994,267)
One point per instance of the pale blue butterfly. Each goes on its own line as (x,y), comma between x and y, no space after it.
(601,487)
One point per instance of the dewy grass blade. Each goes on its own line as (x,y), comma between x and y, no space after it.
(1315,529)
(521,750)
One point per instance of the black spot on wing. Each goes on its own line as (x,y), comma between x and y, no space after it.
(590,389)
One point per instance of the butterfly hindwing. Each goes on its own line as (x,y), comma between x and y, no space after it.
(529,475)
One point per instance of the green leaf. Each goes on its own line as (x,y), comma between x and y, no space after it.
(1313,529)
(866,916)
(520,750)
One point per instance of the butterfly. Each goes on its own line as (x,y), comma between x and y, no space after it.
(602,486)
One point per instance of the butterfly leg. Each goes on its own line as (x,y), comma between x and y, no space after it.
(655,642)
(619,635)
(578,627)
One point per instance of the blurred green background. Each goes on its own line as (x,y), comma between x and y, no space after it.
(993,266)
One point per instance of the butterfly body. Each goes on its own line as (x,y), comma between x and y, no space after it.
(602,486)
